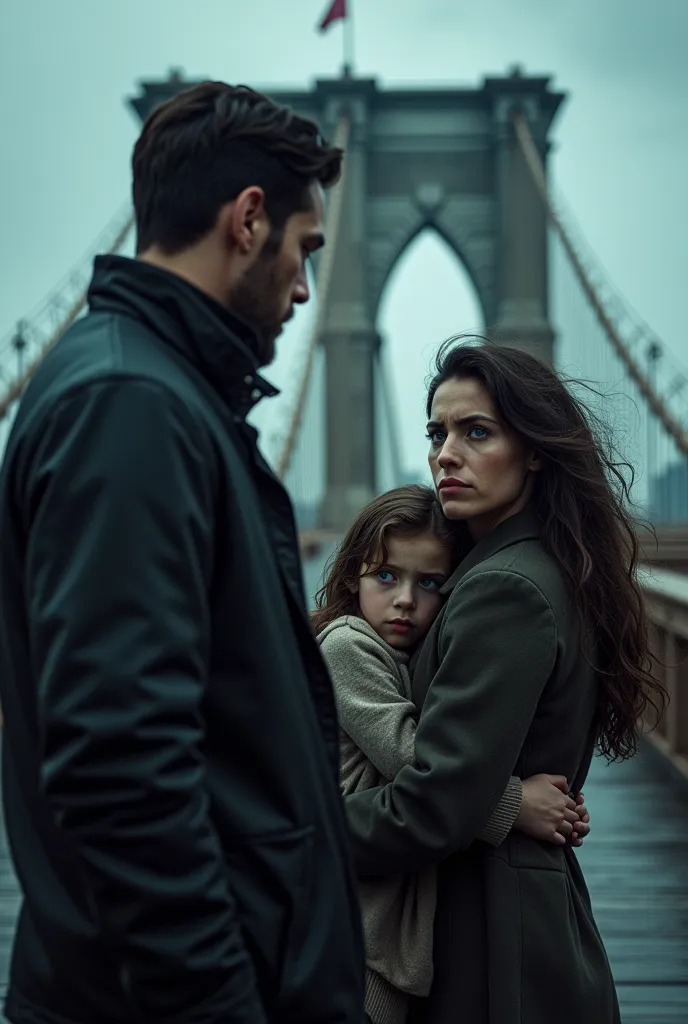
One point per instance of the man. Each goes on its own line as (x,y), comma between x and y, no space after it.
(170,751)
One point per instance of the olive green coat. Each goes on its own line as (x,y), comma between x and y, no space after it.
(504,688)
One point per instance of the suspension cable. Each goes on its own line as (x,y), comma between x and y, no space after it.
(646,388)
(15,389)
(391,421)
(322,288)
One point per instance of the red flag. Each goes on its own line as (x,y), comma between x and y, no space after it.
(335,13)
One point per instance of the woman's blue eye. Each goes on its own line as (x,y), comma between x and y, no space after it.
(478,433)
(436,437)
(429,584)
(385,576)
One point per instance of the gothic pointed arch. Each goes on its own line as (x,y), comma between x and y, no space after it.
(446,157)
(428,296)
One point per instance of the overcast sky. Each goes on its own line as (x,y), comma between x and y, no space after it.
(621,160)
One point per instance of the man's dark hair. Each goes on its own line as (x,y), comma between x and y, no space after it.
(203,147)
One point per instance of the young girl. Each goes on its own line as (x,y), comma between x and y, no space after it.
(381,595)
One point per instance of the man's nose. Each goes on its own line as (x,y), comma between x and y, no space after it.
(301,292)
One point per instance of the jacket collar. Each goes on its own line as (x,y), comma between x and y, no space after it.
(522,526)
(221,344)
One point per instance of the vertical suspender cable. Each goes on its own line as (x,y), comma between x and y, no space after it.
(645,386)
(322,287)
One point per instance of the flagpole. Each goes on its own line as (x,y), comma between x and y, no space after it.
(348,40)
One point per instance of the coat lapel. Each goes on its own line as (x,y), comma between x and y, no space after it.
(522,526)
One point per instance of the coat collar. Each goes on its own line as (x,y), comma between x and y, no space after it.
(217,341)
(522,526)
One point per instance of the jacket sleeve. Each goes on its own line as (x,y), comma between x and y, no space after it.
(118,499)
(497,651)
(372,711)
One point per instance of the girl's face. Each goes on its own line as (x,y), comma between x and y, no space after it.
(482,470)
(401,598)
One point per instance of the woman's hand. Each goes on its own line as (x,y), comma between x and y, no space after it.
(581,828)
(548,813)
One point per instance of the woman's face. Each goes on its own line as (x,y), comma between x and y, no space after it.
(482,471)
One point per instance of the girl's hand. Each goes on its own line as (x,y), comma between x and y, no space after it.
(547,812)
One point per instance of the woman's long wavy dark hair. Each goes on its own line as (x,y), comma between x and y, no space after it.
(582,502)
(405,510)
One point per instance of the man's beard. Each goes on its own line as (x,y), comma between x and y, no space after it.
(255,298)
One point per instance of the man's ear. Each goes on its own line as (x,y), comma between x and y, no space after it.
(244,222)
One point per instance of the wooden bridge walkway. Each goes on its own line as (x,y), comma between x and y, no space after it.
(636,864)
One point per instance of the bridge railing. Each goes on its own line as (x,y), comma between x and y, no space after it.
(666,595)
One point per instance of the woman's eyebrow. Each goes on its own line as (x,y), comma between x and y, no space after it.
(461,421)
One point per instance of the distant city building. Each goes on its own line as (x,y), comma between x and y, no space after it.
(306,515)
(668,500)
(416,476)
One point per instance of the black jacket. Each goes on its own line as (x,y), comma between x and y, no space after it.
(170,761)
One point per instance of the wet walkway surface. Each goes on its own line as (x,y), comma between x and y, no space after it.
(636,866)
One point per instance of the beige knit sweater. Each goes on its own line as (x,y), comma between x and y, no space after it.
(378,725)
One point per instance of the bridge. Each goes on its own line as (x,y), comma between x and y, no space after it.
(472,165)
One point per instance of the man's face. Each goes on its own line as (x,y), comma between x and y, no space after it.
(266,292)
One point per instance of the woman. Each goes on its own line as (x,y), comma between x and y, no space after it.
(538,655)
(379,599)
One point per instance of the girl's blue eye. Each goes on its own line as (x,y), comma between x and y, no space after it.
(385,576)
(478,433)
(429,584)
